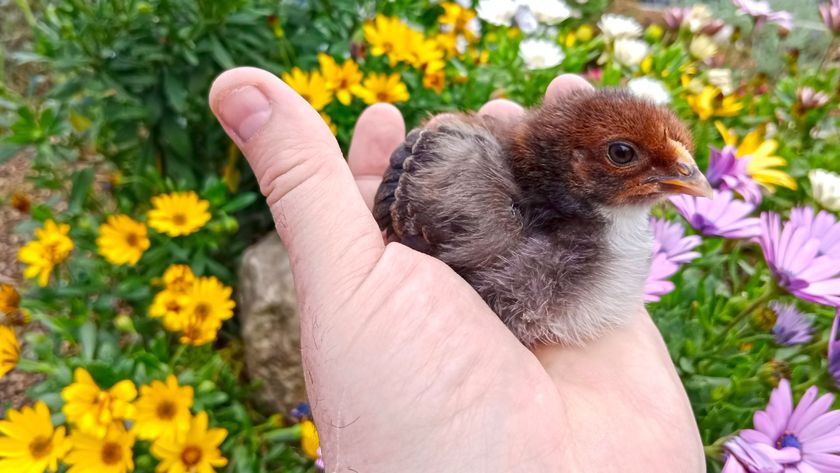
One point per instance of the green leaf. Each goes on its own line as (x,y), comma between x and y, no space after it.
(82,182)
(220,54)
(87,340)
(175,92)
(240,202)
(7,151)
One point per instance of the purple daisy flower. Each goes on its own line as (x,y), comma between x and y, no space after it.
(729,172)
(834,351)
(661,268)
(673,242)
(675,16)
(760,11)
(795,254)
(804,437)
(744,457)
(792,326)
(830,13)
(824,225)
(719,216)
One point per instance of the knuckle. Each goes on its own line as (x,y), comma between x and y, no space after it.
(297,166)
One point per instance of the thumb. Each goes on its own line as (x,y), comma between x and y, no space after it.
(330,234)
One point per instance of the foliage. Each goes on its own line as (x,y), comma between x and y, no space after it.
(120,119)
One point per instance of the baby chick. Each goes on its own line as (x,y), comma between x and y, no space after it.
(547,217)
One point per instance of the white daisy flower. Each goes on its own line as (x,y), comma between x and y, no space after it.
(525,20)
(722,79)
(698,17)
(549,12)
(618,26)
(540,53)
(825,186)
(629,52)
(702,47)
(651,89)
(497,12)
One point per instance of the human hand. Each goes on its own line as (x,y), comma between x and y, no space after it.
(407,369)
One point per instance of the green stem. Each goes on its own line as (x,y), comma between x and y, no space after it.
(715,450)
(827,53)
(286,434)
(27,12)
(177,356)
(769,292)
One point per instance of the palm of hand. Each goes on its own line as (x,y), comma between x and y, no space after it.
(407,368)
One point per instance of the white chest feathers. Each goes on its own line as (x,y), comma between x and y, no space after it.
(618,289)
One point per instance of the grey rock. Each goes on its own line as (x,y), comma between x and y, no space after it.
(270,324)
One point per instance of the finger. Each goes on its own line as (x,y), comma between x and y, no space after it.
(379,130)
(331,237)
(565,84)
(502,109)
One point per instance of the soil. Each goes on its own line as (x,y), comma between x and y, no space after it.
(13,386)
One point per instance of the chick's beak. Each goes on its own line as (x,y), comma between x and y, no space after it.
(687,179)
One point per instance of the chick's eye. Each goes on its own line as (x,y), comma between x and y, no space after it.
(621,153)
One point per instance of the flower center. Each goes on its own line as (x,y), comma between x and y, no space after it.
(40,447)
(132,239)
(701,223)
(52,254)
(173,306)
(166,410)
(788,440)
(179,219)
(202,311)
(382,96)
(789,281)
(111,453)
(191,456)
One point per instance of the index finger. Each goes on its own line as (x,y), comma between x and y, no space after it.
(565,84)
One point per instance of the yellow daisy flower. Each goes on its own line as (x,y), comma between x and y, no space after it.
(9,350)
(197,332)
(9,299)
(383,88)
(711,102)
(341,79)
(170,306)
(762,157)
(178,278)
(309,441)
(163,410)
(122,240)
(448,43)
(109,454)
(210,299)
(178,213)
(434,80)
(456,19)
(428,56)
(93,410)
(195,452)
(29,442)
(209,303)
(311,86)
(50,247)
(383,35)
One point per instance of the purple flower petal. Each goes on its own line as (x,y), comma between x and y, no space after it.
(799,256)
(721,215)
